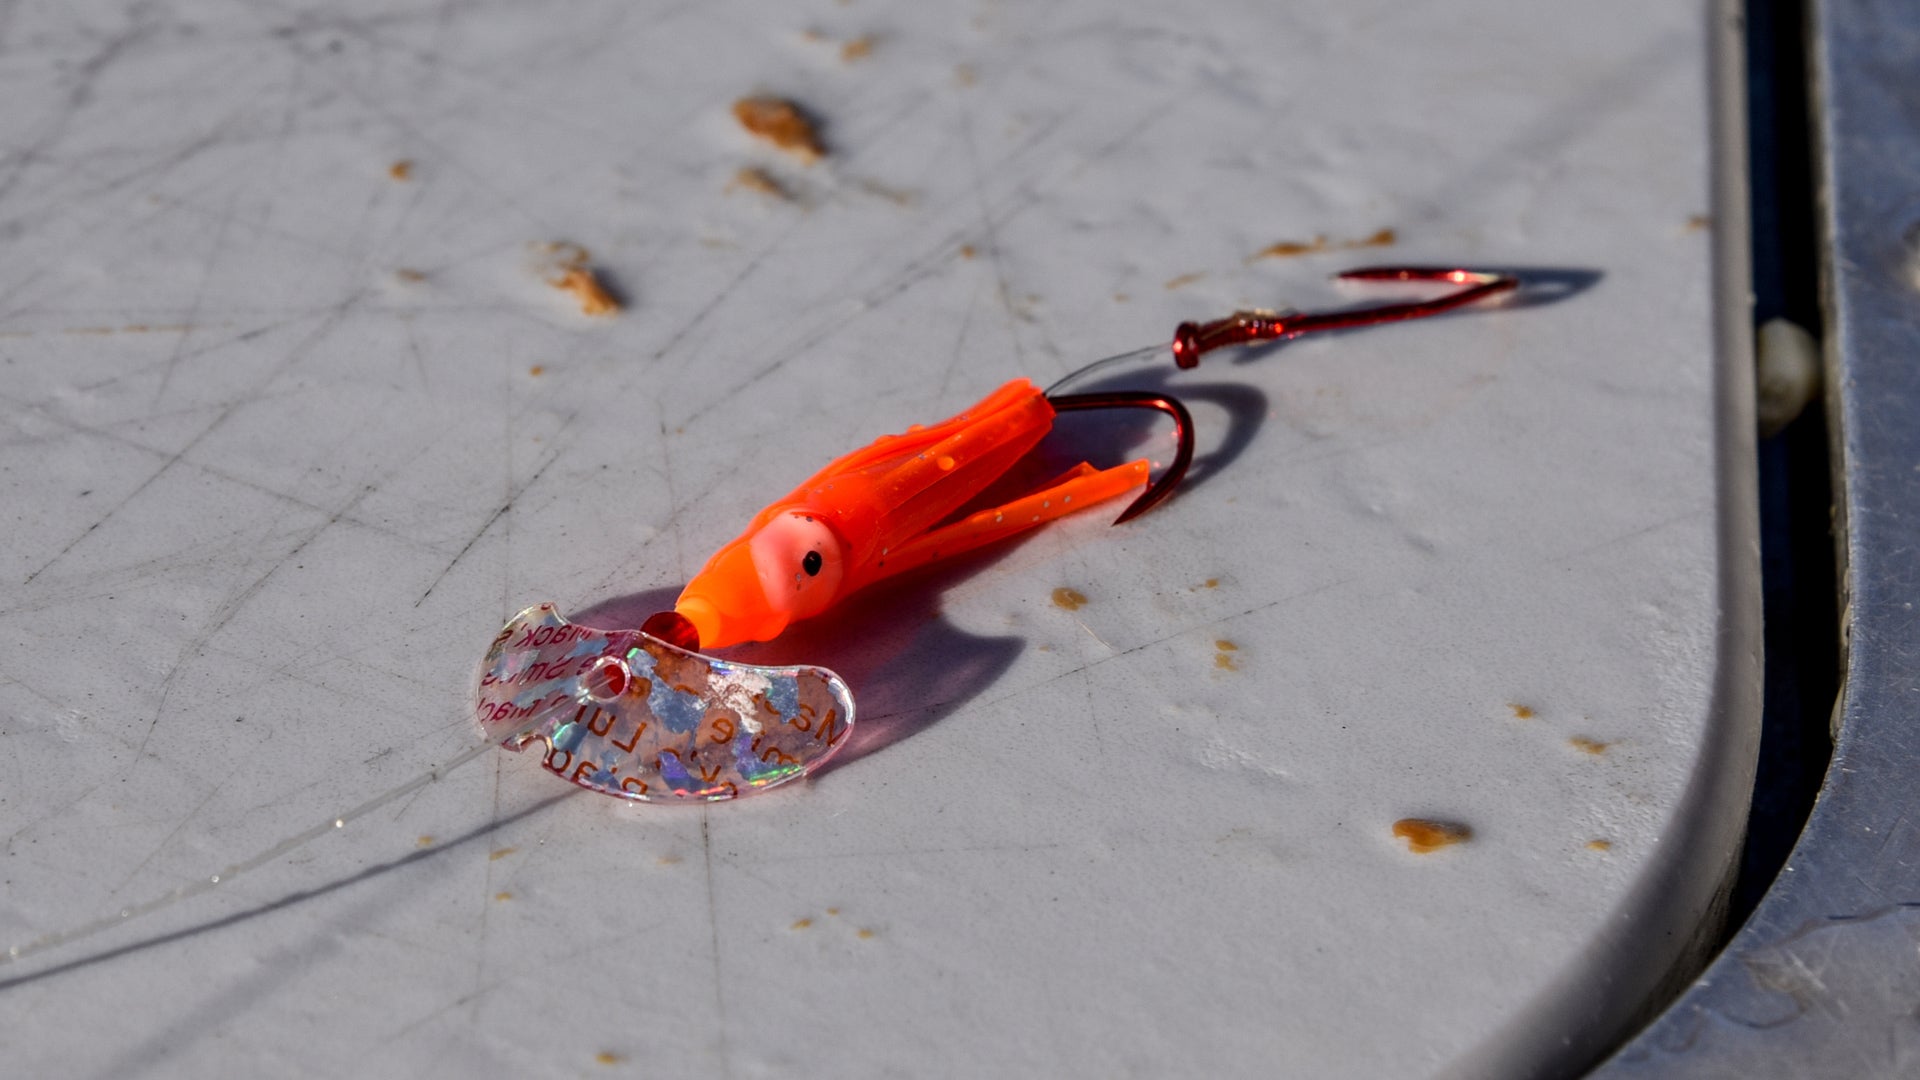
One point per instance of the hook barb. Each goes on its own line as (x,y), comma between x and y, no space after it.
(1158,491)
(1194,340)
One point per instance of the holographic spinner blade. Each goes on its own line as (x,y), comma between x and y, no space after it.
(652,721)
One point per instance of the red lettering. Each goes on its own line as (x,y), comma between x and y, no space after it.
(638,728)
(723,729)
(554,763)
(634,784)
(774,755)
(708,775)
(829,731)
(585,770)
(600,722)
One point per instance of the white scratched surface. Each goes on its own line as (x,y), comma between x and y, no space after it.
(266,499)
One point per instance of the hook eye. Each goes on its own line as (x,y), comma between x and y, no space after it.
(607,680)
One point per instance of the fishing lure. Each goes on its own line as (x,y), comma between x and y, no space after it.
(646,714)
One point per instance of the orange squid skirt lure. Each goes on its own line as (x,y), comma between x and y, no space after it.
(648,714)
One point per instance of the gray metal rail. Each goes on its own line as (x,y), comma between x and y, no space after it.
(1824,979)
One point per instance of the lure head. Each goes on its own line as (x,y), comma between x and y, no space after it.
(789,568)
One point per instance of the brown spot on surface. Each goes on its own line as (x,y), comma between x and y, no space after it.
(865,934)
(1223,658)
(1425,835)
(1521,712)
(833,911)
(858,49)
(503,896)
(801,924)
(964,74)
(586,287)
(1185,279)
(1287,249)
(537,370)
(967,251)
(1213,583)
(781,123)
(1069,599)
(1599,845)
(1588,746)
(575,276)
(607,1057)
(409,276)
(401,170)
(667,860)
(496,856)
(424,841)
(1699,223)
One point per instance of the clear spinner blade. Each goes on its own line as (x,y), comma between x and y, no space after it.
(652,721)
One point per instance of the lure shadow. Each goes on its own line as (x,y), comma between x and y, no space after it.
(908,666)
(1246,406)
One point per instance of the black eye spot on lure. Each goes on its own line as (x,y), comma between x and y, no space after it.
(811,564)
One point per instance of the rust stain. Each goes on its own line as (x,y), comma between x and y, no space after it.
(1069,599)
(761,181)
(865,934)
(496,856)
(537,370)
(963,74)
(606,1057)
(577,277)
(858,49)
(588,289)
(833,911)
(503,896)
(1699,223)
(967,251)
(667,860)
(1588,746)
(1223,658)
(424,841)
(801,924)
(1184,280)
(1599,845)
(1288,249)
(409,275)
(401,170)
(1426,835)
(781,123)
(1521,712)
